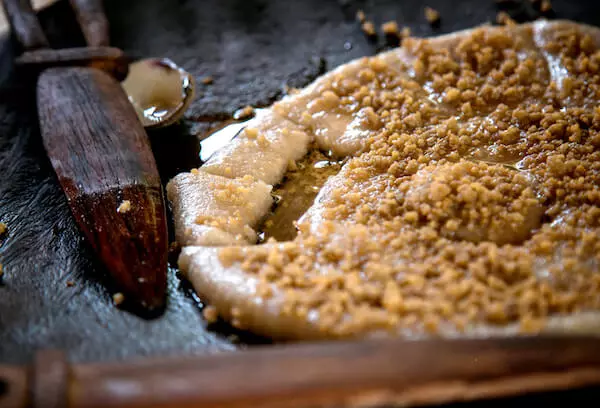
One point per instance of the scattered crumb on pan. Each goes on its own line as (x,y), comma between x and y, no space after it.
(360,16)
(369,29)
(432,16)
(390,28)
(70,283)
(124,207)
(244,113)
(406,32)
(391,32)
(210,314)
(207,80)
(118,298)
(503,18)
(233,338)
(545,6)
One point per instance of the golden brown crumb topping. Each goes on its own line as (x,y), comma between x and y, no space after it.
(244,113)
(476,203)
(124,207)
(504,18)
(432,15)
(369,28)
(360,16)
(472,201)
(546,6)
(390,28)
(210,314)
(118,298)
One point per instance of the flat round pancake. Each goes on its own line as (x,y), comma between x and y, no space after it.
(470,205)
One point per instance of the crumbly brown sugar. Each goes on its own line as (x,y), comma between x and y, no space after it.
(368,28)
(476,203)
(124,207)
(502,17)
(210,314)
(244,113)
(118,298)
(360,16)
(390,28)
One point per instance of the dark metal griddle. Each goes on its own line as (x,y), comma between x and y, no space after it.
(252,49)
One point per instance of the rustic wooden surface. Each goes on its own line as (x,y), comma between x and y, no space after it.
(369,373)
(344,374)
(252,49)
(108,59)
(102,158)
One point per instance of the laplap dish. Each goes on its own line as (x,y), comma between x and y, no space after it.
(467,201)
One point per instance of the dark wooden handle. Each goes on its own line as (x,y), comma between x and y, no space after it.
(360,373)
(94,25)
(25,24)
(107,59)
(102,157)
(93,22)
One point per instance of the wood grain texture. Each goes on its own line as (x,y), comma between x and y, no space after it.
(108,59)
(367,373)
(344,374)
(102,158)
(24,24)
(93,22)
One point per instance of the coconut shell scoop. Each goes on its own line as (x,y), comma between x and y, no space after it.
(99,150)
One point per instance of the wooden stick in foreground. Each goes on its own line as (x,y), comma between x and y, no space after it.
(341,374)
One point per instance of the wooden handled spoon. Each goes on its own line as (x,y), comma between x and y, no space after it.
(99,151)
